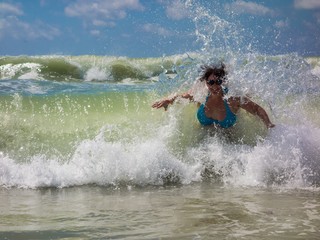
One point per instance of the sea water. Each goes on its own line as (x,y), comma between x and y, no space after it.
(84,156)
(193,211)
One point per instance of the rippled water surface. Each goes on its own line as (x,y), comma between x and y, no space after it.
(200,211)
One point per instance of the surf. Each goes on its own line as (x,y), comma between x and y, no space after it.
(90,68)
(80,120)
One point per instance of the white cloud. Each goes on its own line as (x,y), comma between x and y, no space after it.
(307,4)
(105,10)
(242,7)
(100,23)
(156,29)
(9,9)
(13,27)
(176,10)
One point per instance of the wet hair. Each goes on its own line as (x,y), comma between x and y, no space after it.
(207,70)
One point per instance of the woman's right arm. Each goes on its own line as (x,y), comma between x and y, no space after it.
(165,102)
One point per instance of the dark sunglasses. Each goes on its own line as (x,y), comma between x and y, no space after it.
(218,82)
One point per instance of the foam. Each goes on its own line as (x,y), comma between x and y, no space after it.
(9,71)
(96,74)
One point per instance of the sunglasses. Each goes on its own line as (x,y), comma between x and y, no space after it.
(212,82)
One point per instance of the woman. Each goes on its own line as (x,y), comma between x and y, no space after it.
(216,110)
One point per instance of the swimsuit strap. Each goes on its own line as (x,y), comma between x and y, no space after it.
(207,97)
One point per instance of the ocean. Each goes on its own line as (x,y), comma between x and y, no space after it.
(83,155)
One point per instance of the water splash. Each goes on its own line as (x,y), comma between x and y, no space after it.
(58,134)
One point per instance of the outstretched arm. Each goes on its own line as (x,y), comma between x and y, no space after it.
(165,102)
(255,109)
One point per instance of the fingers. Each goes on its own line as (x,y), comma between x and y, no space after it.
(163,103)
(157,104)
(160,104)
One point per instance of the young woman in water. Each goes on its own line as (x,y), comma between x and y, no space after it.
(216,110)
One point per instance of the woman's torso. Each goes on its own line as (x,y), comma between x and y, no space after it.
(218,113)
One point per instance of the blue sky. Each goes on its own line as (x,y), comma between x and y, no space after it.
(152,28)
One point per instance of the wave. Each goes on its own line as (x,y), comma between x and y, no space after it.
(85,68)
(104,68)
(279,161)
(61,134)
(115,139)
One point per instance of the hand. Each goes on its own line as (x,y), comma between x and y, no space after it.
(163,103)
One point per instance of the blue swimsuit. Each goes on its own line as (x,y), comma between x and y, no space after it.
(229,120)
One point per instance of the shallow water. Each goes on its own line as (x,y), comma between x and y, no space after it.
(196,211)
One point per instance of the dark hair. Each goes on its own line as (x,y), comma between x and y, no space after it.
(207,70)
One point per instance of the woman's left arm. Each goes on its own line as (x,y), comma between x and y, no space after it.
(257,110)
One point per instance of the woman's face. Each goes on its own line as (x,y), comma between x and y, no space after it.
(214,84)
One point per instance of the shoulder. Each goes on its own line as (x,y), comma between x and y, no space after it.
(234,100)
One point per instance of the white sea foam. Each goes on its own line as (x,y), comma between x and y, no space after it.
(23,70)
(101,162)
(288,157)
(96,74)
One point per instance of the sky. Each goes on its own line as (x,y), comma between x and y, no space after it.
(154,28)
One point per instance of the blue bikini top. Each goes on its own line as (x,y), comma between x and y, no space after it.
(227,122)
